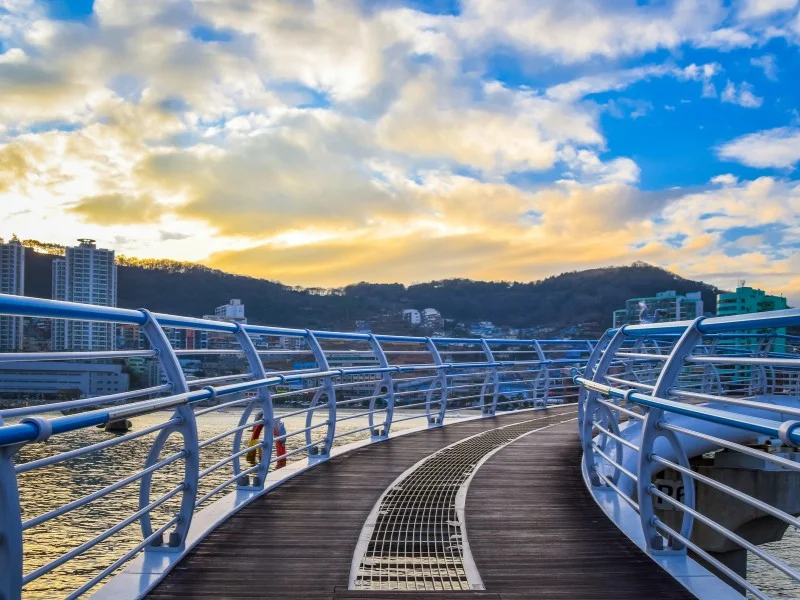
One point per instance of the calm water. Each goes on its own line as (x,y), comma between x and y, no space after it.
(45,489)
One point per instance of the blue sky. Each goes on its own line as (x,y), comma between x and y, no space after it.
(325,142)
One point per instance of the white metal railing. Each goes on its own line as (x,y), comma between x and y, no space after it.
(694,427)
(72,496)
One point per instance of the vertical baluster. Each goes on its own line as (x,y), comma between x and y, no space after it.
(544,370)
(10,526)
(493,379)
(262,401)
(387,382)
(187,428)
(316,454)
(588,370)
(441,380)
(592,406)
(651,432)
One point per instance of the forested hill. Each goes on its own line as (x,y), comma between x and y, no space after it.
(558,301)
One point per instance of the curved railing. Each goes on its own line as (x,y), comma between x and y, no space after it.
(78,502)
(690,430)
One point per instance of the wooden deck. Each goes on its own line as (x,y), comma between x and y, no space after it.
(536,532)
(297,542)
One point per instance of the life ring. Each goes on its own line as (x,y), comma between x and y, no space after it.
(278,431)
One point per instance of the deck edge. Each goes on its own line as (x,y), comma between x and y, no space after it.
(694,577)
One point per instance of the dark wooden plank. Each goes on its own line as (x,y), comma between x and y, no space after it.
(341,593)
(535,531)
(297,542)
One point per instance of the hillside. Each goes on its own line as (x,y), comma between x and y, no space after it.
(558,301)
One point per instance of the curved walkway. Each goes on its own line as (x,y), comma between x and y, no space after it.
(536,532)
(297,541)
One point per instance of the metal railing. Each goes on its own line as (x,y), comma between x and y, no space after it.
(694,427)
(73,495)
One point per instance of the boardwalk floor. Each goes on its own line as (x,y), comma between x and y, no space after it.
(535,531)
(297,542)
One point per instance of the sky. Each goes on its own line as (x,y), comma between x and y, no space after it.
(324,143)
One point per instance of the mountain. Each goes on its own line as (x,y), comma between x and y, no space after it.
(558,301)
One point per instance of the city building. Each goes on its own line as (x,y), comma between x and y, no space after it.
(751,300)
(747,300)
(12,281)
(86,274)
(664,306)
(232,311)
(412,316)
(69,379)
(432,318)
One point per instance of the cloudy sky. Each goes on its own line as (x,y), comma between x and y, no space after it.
(322,143)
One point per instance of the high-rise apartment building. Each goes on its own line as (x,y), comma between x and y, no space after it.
(86,274)
(664,306)
(12,281)
(752,300)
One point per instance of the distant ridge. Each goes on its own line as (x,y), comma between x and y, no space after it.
(558,301)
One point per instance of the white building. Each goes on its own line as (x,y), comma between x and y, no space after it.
(12,281)
(86,274)
(50,378)
(432,318)
(412,316)
(232,311)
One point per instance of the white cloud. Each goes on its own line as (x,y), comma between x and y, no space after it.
(725,179)
(743,96)
(576,30)
(726,39)
(619,80)
(757,9)
(772,148)
(767,64)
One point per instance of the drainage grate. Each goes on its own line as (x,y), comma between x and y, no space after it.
(415,539)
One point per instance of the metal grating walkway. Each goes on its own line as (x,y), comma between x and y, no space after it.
(415,538)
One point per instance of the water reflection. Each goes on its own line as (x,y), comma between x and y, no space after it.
(46,489)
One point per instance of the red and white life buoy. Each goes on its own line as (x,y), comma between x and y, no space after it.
(278,431)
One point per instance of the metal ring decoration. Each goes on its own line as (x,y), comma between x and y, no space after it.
(378,394)
(440,383)
(492,378)
(329,391)
(608,419)
(594,358)
(266,445)
(490,385)
(186,427)
(651,432)
(591,403)
(386,383)
(687,520)
(264,402)
(541,388)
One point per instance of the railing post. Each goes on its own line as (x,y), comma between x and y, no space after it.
(316,454)
(386,381)
(651,431)
(591,405)
(187,428)
(588,370)
(493,378)
(442,380)
(264,401)
(545,370)
(10,526)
